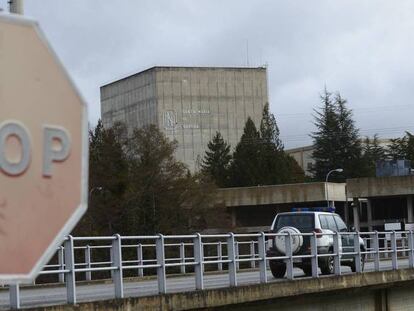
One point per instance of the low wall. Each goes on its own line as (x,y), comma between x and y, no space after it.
(280,194)
(380,186)
(288,292)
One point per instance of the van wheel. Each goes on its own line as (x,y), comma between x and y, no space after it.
(353,267)
(307,269)
(278,269)
(327,265)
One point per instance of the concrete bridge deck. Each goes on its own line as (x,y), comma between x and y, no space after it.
(143,295)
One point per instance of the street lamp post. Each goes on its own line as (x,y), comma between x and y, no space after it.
(338,170)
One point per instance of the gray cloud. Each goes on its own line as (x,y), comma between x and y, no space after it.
(361,48)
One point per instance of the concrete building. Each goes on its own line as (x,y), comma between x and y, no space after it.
(303,155)
(189,104)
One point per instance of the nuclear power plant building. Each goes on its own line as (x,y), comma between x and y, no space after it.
(189,104)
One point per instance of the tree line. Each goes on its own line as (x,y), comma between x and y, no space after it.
(136,186)
(258,158)
(338,143)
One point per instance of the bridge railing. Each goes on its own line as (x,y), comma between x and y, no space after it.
(160,255)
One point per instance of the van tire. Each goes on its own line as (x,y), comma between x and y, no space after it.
(277,268)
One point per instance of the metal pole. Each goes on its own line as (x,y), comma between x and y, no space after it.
(61,260)
(140,257)
(160,254)
(262,256)
(314,253)
(252,255)
(70,274)
(219,256)
(14,292)
(198,259)
(337,259)
(117,276)
(289,262)
(88,274)
(17,7)
(231,254)
(182,257)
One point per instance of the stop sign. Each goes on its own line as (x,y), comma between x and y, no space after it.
(43,151)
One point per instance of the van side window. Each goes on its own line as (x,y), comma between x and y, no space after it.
(323,221)
(331,223)
(340,223)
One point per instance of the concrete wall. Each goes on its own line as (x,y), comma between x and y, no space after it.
(191,103)
(280,194)
(379,291)
(380,186)
(131,101)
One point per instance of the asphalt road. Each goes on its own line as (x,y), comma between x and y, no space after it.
(43,296)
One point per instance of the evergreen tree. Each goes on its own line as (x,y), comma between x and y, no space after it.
(397,149)
(324,138)
(336,140)
(274,166)
(216,162)
(108,172)
(410,148)
(246,158)
(349,141)
(259,158)
(402,148)
(269,131)
(372,152)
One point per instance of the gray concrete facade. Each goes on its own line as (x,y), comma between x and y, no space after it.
(189,104)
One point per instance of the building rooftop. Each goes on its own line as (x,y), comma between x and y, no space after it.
(184,67)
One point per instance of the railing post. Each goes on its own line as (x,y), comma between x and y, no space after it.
(357,256)
(410,249)
(262,256)
(252,255)
(219,256)
(61,262)
(182,257)
(117,263)
(231,256)
(14,294)
(375,243)
(88,274)
(314,253)
(289,262)
(70,276)
(337,251)
(394,250)
(198,259)
(236,249)
(140,257)
(159,248)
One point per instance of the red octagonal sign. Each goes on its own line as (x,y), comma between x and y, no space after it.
(43,151)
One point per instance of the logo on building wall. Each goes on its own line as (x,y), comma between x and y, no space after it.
(170,119)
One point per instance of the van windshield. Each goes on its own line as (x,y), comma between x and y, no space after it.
(305,223)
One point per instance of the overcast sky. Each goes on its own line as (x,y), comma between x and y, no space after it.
(364,49)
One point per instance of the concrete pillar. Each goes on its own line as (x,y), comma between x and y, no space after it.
(410,216)
(369,215)
(356,213)
(233,218)
(346,213)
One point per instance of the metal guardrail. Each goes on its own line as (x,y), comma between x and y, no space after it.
(219,252)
